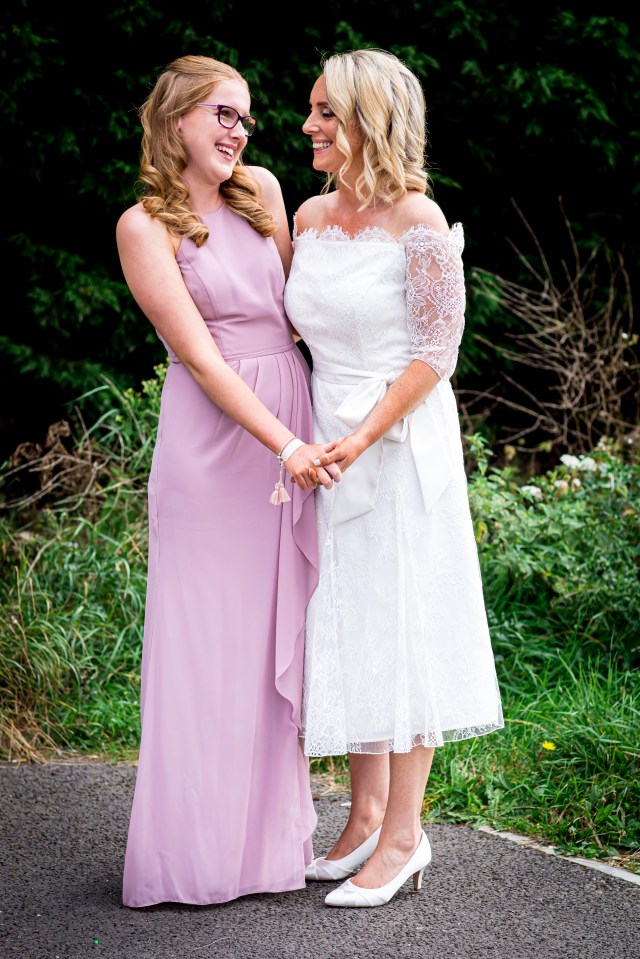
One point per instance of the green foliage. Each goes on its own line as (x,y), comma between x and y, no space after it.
(564,768)
(67,303)
(70,656)
(560,561)
(523,102)
(559,554)
(72,582)
(565,545)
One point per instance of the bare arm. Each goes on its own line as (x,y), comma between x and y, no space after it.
(147,256)
(403,396)
(273,201)
(408,391)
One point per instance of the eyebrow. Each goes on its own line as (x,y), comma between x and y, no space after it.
(321,103)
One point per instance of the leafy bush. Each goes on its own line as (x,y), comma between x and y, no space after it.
(559,555)
(563,549)
(73,581)
(529,102)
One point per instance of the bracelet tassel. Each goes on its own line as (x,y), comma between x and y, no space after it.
(279,494)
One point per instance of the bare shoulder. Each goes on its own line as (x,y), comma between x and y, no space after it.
(315,213)
(268,181)
(132,221)
(136,228)
(416,208)
(136,224)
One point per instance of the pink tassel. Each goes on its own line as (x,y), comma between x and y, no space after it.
(279,494)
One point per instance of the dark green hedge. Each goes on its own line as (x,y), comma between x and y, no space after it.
(526,103)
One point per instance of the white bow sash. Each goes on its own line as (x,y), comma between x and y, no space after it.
(356,493)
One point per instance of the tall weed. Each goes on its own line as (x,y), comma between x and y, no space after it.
(559,555)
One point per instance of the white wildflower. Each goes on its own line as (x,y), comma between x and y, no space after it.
(571,461)
(561,485)
(587,463)
(575,483)
(534,491)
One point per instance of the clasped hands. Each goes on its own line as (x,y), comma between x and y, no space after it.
(322,464)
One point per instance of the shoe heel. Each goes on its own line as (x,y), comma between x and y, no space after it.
(417,879)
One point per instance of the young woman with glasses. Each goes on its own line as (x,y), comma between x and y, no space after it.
(222,804)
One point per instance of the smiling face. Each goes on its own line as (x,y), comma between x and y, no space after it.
(322,126)
(213,150)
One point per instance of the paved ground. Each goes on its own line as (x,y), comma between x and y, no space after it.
(62,834)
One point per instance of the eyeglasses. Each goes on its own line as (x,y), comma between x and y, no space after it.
(228,117)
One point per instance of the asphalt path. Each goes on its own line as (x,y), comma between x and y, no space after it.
(63,830)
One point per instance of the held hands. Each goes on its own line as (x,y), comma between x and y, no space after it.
(314,464)
(300,465)
(341,453)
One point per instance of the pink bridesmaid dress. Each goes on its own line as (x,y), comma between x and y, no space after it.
(222,805)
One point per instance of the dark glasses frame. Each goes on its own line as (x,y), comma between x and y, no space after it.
(247,122)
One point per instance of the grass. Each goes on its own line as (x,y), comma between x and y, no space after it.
(582,795)
(71,646)
(561,614)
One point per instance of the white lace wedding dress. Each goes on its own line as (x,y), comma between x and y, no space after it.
(398,651)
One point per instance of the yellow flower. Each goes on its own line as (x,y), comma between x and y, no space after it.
(482,529)
(548,745)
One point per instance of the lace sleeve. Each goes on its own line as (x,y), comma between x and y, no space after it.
(435,296)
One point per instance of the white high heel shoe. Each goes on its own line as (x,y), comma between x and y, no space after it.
(351,895)
(326,870)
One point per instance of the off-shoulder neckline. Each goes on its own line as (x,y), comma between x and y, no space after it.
(375,233)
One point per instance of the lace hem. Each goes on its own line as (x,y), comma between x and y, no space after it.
(432,738)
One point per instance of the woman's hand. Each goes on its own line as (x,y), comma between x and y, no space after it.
(341,453)
(301,466)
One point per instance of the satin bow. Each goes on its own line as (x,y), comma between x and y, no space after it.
(356,493)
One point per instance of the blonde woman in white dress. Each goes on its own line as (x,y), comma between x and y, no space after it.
(398,657)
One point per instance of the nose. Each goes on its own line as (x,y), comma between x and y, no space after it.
(309,124)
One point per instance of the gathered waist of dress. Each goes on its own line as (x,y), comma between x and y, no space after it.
(250,354)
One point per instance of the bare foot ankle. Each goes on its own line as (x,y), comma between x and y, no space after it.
(352,836)
(384,865)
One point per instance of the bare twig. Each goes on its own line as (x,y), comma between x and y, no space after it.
(577,332)
(53,473)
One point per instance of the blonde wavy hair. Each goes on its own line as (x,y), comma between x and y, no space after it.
(374,89)
(160,188)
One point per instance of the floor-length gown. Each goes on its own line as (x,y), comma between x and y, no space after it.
(222,805)
(398,651)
